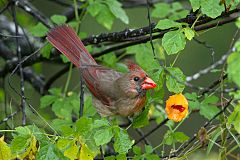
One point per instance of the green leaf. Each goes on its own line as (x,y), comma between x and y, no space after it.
(5,151)
(72,152)
(152,157)
(175,80)
(50,152)
(215,135)
(47,100)
(193,101)
(105,17)
(109,59)
(189,33)
(195,4)
(62,108)
(64,58)
(89,110)
(39,30)
(46,50)
(94,8)
(55,91)
(101,123)
(141,120)
(63,143)
(234,118)
(59,19)
(161,10)
(168,138)
(121,157)
(103,136)
(84,125)
(208,108)
(233,68)
(122,142)
(180,137)
(117,10)
(137,150)
(23,130)
(211,8)
(167,23)
(144,52)
(173,42)
(148,149)
(86,153)
(20,143)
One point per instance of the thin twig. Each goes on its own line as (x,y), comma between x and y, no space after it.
(18,52)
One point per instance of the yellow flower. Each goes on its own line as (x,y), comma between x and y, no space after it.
(176,107)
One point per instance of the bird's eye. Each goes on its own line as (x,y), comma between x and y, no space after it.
(136,78)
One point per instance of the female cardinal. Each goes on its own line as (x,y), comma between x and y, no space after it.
(114,93)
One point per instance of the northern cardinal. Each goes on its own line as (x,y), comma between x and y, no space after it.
(114,93)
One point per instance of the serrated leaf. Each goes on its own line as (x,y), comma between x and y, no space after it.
(59,19)
(211,8)
(141,120)
(189,33)
(144,52)
(117,10)
(195,4)
(137,150)
(122,142)
(161,10)
(50,152)
(173,42)
(101,123)
(19,143)
(86,153)
(121,157)
(234,118)
(168,138)
(5,151)
(46,50)
(39,30)
(103,136)
(175,80)
(64,58)
(94,8)
(180,137)
(47,100)
(109,59)
(63,143)
(207,108)
(105,17)
(55,91)
(233,68)
(72,152)
(148,149)
(84,125)
(23,130)
(167,23)
(89,110)
(62,108)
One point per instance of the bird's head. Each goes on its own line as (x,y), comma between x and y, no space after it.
(139,80)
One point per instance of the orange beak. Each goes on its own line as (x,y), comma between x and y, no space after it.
(148,83)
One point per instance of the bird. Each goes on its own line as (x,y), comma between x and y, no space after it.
(114,93)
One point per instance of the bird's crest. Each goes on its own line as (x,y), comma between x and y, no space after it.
(133,67)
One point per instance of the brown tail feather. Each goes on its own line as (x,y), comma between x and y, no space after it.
(65,39)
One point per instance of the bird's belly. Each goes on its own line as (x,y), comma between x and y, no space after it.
(123,107)
(128,107)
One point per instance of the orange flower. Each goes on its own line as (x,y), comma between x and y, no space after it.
(176,107)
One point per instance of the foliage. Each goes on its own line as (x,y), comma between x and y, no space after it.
(69,136)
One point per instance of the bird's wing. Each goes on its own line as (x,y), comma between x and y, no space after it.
(100,81)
